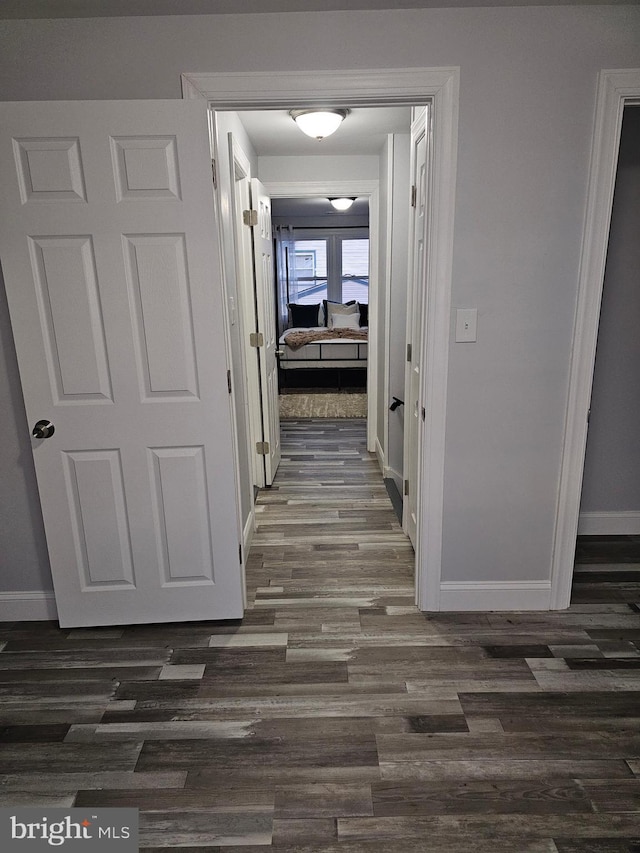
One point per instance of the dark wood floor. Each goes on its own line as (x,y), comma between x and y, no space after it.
(336,717)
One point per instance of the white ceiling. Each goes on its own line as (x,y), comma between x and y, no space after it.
(26,9)
(273,132)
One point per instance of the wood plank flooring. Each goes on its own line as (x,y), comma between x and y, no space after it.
(336,718)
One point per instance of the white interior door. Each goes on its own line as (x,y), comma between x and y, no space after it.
(112,269)
(413,380)
(240,187)
(266,315)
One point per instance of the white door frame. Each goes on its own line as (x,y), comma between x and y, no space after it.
(376,87)
(616,89)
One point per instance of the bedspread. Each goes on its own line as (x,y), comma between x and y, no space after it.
(298,339)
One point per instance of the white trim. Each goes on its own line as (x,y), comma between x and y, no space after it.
(380,457)
(609,524)
(435,337)
(25,606)
(247,539)
(615,90)
(253,90)
(247,533)
(495,595)
(390,473)
(440,87)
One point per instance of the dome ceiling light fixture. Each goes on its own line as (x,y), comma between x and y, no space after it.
(342,203)
(318,123)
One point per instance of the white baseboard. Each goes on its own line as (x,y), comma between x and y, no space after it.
(25,606)
(247,533)
(396,476)
(495,595)
(609,524)
(380,455)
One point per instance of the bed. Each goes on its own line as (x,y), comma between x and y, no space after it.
(323,349)
(343,344)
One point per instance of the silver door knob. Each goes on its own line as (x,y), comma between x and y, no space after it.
(279,353)
(43,429)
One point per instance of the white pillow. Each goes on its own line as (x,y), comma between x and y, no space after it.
(345,321)
(334,308)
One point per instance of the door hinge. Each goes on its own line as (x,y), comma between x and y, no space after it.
(229,380)
(240,553)
(250,217)
(424,414)
(214,174)
(262,448)
(256,339)
(409,352)
(406,488)
(414,195)
(588,416)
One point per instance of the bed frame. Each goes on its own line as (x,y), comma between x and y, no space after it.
(340,354)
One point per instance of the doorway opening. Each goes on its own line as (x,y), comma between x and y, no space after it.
(322,287)
(616,90)
(439,89)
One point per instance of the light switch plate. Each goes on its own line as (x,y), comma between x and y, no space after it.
(466,325)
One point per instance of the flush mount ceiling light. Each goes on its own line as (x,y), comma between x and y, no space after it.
(342,203)
(318,123)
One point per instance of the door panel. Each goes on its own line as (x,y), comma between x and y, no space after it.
(112,271)
(413,405)
(266,313)
(64,273)
(160,297)
(96,496)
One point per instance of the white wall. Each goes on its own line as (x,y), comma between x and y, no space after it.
(611,485)
(274,169)
(528,83)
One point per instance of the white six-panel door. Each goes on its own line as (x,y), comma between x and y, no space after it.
(266,315)
(109,253)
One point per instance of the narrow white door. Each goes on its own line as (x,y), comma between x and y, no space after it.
(112,269)
(266,315)
(413,407)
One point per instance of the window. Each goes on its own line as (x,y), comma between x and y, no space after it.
(330,265)
(355,270)
(310,273)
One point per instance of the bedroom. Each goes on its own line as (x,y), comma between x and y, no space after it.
(322,299)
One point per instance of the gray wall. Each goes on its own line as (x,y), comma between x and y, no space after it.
(612,465)
(528,85)
(24,562)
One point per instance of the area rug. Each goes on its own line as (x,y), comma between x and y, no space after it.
(323,406)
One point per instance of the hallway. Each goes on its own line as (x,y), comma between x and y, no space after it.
(336,718)
(327,535)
